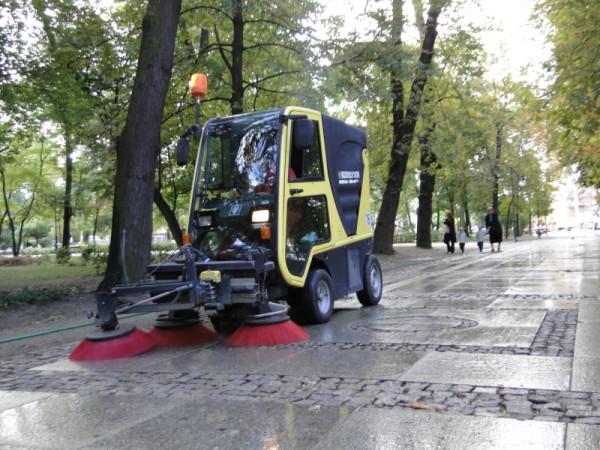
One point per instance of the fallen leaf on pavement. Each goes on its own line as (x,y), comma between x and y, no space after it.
(420,405)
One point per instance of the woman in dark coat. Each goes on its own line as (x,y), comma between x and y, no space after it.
(449,233)
(493,227)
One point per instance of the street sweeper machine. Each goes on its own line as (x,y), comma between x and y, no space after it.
(278,217)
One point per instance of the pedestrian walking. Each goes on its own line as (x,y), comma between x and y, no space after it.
(462,240)
(493,227)
(449,233)
(481,232)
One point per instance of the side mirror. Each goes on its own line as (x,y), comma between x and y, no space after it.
(183,151)
(304,131)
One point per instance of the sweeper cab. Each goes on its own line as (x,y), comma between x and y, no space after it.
(279,214)
(287,188)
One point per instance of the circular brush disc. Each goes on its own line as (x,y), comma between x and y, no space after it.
(182,336)
(121,343)
(273,334)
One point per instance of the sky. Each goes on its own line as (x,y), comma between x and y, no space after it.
(514,43)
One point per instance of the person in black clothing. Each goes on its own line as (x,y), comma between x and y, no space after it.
(493,227)
(449,233)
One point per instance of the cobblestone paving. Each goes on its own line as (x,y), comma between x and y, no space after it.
(555,337)
(436,285)
(536,404)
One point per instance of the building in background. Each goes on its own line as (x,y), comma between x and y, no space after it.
(574,206)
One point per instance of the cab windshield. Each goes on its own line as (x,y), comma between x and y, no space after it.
(238,178)
(241,153)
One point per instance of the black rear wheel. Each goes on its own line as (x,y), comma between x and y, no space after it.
(294,297)
(316,303)
(370,295)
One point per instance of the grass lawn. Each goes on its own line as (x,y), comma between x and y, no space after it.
(47,274)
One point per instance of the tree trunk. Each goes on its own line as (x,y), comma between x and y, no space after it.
(56,229)
(237,59)
(169,216)
(467,218)
(465,204)
(507,222)
(403,127)
(165,209)
(450,201)
(426,188)
(67,206)
(496,167)
(17,235)
(139,144)
(386,219)
(411,226)
(96,215)
(60,106)
(2,222)
(11,222)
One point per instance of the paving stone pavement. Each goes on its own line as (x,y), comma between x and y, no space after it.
(475,351)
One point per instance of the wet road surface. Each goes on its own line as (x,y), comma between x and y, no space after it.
(492,350)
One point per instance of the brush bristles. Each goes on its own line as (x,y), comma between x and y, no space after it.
(182,337)
(274,334)
(121,347)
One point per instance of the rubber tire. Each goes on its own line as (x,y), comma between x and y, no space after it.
(294,297)
(370,295)
(309,307)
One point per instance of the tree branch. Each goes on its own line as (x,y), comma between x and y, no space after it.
(222,51)
(190,105)
(212,8)
(270,77)
(274,22)
(272,91)
(272,44)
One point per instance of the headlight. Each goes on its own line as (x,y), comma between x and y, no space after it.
(205,221)
(260,216)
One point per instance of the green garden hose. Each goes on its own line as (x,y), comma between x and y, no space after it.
(58,330)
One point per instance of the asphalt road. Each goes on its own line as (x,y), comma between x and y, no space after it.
(490,350)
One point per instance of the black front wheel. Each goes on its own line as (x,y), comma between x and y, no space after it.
(370,295)
(316,304)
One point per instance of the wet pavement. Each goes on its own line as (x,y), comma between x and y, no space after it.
(491,350)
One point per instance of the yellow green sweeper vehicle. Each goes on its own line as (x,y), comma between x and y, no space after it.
(279,213)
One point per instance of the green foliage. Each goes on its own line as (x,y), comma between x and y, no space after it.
(574,115)
(17,261)
(67,68)
(95,255)
(39,272)
(162,251)
(32,296)
(37,251)
(87,252)
(63,255)
(37,230)
(23,180)
(4,241)
(278,69)
(404,237)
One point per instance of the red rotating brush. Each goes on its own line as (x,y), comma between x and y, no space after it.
(124,342)
(182,336)
(286,332)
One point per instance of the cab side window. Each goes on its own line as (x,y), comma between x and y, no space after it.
(305,163)
(307,226)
